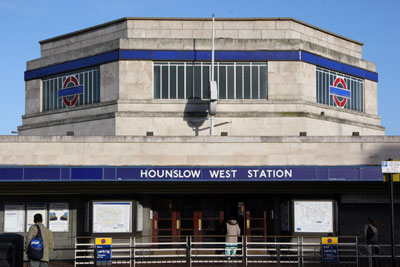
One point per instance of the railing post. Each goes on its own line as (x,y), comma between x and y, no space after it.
(133,244)
(278,254)
(299,249)
(357,249)
(369,256)
(188,251)
(244,251)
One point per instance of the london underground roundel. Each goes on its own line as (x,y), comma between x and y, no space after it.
(70,91)
(340,92)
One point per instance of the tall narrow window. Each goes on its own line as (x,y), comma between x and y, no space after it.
(188,80)
(339,90)
(71,89)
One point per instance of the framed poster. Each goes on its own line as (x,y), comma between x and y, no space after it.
(14,217)
(33,208)
(313,216)
(59,217)
(112,217)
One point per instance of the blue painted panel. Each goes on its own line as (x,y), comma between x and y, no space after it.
(70,91)
(31,74)
(135,54)
(109,173)
(344,174)
(308,57)
(330,64)
(86,173)
(202,55)
(230,173)
(130,173)
(69,66)
(198,55)
(322,173)
(46,174)
(11,174)
(241,55)
(339,91)
(65,174)
(109,57)
(173,55)
(373,76)
(284,55)
(353,71)
(371,174)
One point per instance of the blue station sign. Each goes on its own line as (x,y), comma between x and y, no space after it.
(194,174)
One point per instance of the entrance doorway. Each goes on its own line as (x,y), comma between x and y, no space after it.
(175,218)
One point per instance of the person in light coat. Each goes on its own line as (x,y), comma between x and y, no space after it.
(231,239)
(48,241)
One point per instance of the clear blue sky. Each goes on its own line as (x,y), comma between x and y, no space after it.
(25,23)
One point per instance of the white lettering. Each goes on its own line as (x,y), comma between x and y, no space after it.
(288,173)
(143,173)
(279,173)
(214,173)
(152,173)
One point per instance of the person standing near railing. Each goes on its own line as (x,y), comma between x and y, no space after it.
(371,237)
(231,239)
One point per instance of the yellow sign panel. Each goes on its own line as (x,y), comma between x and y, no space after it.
(396,177)
(104,241)
(329,240)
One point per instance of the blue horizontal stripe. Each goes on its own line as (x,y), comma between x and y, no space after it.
(339,92)
(194,174)
(109,57)
(193,55)
(70,91)
(283,55)
(173,55)
(308,57)
(135,55)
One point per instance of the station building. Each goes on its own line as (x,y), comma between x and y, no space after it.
(115,139)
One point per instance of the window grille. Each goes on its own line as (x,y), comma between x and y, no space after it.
(188,80)
(73,89)
(327,92)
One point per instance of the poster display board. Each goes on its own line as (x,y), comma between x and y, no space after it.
(14,217)
(313,216)
(59,217)
(112,217)
(33,208)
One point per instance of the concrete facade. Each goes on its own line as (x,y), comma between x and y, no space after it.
(289,109)
(197,151)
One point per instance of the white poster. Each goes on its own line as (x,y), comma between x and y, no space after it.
(58,217)
(139,217)
(112,217)
(14,217)
(313,216)
(34,208)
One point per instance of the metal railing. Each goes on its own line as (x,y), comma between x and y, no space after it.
(213,251)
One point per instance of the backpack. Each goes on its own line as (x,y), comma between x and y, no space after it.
(35,247)
(370,233)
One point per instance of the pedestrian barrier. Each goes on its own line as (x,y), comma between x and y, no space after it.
(249,251)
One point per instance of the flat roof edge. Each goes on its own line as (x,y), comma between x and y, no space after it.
(193,19)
